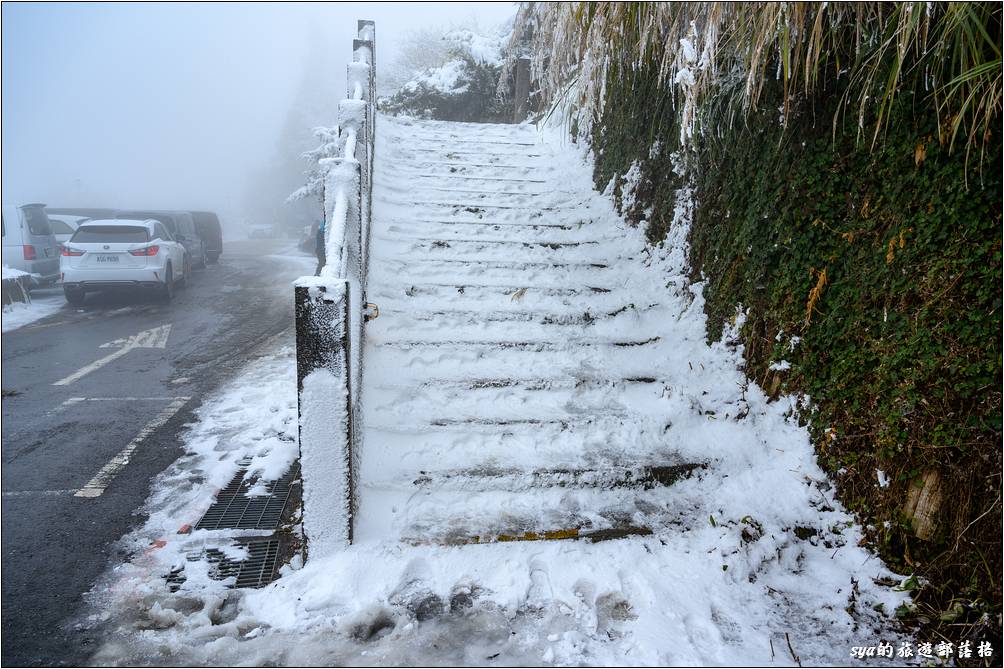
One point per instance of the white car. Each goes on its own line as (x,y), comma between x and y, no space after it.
(121,253)
(64,225)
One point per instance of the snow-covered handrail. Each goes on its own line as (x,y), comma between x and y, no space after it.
(351,176)
(329,318)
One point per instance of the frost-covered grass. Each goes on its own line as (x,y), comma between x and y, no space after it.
(750,553)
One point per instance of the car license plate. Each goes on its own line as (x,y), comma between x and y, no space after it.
(107,258)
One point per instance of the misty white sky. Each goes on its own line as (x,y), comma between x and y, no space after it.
(172,105)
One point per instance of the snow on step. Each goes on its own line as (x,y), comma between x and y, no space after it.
(494,249)
(509,388)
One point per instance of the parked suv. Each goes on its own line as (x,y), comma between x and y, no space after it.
(28,244)
(181,226)
(207,224)
(121,253)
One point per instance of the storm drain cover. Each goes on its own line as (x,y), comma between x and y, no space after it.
(259,568)
(235,509)
(256,571)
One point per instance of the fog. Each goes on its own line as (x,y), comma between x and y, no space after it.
(182,106)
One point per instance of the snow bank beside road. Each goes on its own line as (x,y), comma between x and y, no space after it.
(11,273)
(252,419)
(44,302)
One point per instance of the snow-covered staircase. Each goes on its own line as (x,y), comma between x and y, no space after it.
(510,387)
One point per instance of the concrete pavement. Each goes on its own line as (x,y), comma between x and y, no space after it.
(83,438)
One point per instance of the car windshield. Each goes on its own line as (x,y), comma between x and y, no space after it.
(166,219)
(38,222)
(169,223)
(59,227)
(93,234)
(205,219)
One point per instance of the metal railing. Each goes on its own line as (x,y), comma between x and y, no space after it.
(329,317)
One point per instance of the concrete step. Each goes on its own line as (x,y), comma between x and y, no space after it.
(508,383)
(465,360)
(495,251)
(481,479)
(517,314)
(504,272)
(482,329)
(422,515)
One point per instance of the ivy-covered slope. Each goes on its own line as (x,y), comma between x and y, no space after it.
(876,273)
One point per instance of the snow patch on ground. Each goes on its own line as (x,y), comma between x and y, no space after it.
(44,302)
(11,273)
(252,418)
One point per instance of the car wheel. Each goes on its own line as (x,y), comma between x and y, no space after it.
(167,290)
(74,296)
(204,261)
(183,281)
(213,258)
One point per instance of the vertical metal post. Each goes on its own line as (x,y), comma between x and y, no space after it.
(329,327)
(521,98)
(325,411)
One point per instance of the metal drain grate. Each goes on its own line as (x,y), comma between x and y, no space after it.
(257,570)
(235,509)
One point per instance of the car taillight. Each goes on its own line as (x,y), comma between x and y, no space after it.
(147,251)
(29,252)
(67,251)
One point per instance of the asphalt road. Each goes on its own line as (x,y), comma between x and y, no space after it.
(58,447)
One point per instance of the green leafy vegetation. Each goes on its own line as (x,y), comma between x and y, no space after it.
(876,273)
(846,166)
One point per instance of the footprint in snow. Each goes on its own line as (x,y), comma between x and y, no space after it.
(612,611)
(539,594)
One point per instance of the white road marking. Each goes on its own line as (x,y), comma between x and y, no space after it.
(129,399)
(25,493)
(155,338)
(67,403)
(77,400)
(96,486)
(116,343)
(97,364)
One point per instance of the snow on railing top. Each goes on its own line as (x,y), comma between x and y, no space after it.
(349,176)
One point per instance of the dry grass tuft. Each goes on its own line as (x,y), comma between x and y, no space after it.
(815,293)
(716,57)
